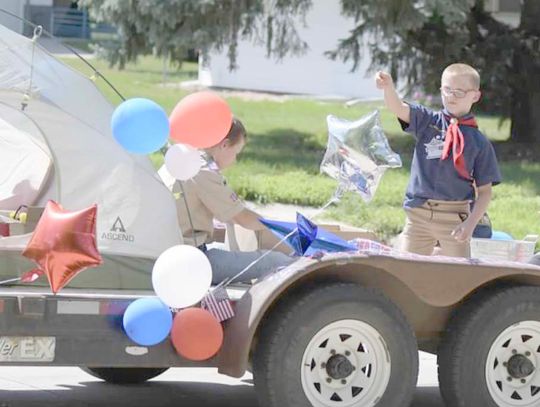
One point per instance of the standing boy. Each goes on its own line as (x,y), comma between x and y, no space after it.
(451,158)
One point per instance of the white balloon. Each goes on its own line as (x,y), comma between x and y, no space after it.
(181,276)
(183,162)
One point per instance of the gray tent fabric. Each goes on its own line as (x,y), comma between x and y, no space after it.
(24,168)
(65,118)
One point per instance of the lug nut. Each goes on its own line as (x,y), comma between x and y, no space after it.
(333,352)
(509,379)
(347,353)
(514,351)
(328,380)
(523,381)
(527,353)
(323,365)
(343,381)
(505,364)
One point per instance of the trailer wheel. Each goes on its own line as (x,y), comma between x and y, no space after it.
(337,344)
(124,375)
(490,355)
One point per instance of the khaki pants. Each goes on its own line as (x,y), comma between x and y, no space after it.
(434,222)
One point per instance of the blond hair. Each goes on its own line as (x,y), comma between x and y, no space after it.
(464,70)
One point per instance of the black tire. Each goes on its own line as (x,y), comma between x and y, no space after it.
(124,375)
(475,352)
(295,324)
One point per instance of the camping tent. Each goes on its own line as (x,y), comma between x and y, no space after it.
(59,146)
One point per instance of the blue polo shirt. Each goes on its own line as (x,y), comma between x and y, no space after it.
(433,178)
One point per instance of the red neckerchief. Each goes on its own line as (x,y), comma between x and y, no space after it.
(454,139)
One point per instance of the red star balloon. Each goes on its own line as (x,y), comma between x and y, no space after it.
(64,243)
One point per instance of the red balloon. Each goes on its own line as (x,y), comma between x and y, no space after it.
(196,334)
(64,243)
(201,120)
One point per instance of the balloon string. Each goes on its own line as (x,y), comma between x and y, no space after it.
(226,282)
(26,98)
(63,44)
(11,280)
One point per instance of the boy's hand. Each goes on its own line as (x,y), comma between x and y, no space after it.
(392,100)
(463,232)
(383,80)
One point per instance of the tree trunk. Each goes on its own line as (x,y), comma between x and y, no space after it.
(525,114)
(526,93)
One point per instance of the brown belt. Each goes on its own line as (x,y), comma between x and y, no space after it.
(451,206)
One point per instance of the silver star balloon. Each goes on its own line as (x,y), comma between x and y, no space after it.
(358,154)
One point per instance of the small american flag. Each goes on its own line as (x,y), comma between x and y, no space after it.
(217,302)
(371,247)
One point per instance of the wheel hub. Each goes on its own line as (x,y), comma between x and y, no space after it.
(345,364)
(511,370)
(339,367)
(519,366)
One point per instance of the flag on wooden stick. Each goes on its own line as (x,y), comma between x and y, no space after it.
(218,303)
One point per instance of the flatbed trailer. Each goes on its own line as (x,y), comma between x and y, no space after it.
(347,326)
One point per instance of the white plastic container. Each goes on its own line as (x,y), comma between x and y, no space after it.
(513,250)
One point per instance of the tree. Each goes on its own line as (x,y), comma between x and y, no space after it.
(415,39)
(169,28)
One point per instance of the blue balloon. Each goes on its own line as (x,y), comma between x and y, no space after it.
(498,235)
(147,321)
(140,126)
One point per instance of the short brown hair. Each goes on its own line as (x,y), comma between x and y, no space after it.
(237,132)
(464,70)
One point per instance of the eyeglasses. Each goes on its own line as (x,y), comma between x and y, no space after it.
(458,93)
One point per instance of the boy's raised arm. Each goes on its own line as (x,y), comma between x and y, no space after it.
(391,99)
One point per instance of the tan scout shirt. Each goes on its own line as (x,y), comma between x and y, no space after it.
(208,196)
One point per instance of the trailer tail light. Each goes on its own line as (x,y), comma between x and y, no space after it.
(114,307)
(4,229)
(83,307)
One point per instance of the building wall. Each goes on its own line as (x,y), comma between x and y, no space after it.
(48,3)
(507,11)
(504,6)
(16,7)
(312,73)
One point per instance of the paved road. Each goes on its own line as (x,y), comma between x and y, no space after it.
(59,386)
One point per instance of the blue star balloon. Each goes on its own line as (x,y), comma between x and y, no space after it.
(306,238)
(307,232)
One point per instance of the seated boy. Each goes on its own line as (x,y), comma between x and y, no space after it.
(207,196)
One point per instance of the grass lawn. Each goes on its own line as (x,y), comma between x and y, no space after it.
(287,140)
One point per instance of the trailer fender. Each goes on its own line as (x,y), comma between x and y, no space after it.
(425,290)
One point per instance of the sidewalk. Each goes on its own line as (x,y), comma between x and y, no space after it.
(284,211)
